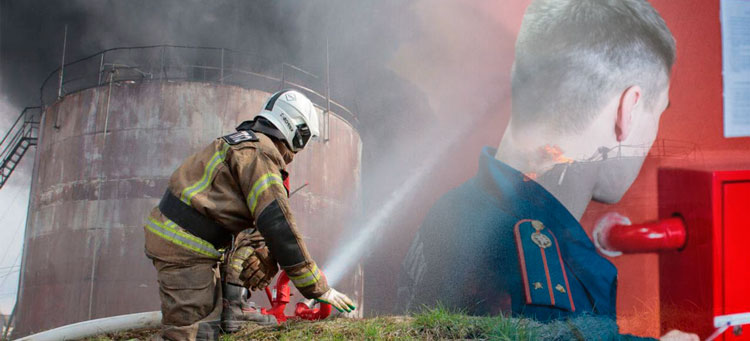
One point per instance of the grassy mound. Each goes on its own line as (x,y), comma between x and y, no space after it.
(434,324)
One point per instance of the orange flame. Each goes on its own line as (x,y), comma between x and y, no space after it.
(556,154)
(530,176)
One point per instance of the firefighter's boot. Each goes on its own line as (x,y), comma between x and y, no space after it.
(238,311)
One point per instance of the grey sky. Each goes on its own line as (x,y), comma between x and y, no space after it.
(14,198)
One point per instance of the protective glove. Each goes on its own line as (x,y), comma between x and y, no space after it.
(258,269)
(337,300)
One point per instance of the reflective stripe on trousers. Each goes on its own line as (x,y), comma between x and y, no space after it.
(172,233)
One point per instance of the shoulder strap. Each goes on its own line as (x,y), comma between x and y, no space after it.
(542,269)
(240,136)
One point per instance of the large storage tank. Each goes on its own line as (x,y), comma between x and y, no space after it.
(103,162)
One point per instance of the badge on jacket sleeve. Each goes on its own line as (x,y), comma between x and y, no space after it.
(542,269)
(239,137)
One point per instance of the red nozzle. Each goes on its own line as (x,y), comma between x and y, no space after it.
(281,299)
(306,311)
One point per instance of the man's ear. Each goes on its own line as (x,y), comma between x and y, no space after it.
(628,100)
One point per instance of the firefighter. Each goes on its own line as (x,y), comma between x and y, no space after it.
(234,184)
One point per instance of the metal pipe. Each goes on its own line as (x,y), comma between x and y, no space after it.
(326,121)
(62,71)
(221,74)
(95,248)
(162,61)
(105,325)
(62,63)
(109,96)
(298,188)
(101,68)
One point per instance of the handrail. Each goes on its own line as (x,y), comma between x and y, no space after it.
(25,130)
(83,59)
(172,62)
(21,135)
(23,113)
(300,70)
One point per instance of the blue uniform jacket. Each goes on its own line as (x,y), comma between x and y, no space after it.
(501,243)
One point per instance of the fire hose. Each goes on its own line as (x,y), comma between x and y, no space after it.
(280,297)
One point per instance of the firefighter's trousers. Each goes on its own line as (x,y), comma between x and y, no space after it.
(189,281)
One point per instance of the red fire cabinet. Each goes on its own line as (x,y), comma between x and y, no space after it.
(710,276)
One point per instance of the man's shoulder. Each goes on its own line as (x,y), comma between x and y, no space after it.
(257,146)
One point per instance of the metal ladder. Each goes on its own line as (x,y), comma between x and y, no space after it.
(23,134)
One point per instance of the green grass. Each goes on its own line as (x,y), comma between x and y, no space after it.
(432,324)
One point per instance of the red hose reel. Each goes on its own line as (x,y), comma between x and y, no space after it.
(280,297)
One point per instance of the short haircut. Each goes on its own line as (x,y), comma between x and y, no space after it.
(571,55)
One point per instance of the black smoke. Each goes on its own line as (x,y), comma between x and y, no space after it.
(362,36)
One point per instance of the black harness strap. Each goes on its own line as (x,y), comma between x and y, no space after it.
(191,220)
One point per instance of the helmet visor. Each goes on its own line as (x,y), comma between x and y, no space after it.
(301,136)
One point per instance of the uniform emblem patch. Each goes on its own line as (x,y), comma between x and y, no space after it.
(538,237)
(541,240)
(239,137)
(542,268)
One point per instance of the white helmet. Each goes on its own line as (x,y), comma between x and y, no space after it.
(294,115)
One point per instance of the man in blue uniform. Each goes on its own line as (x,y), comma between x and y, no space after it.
(507,245)
(589,83)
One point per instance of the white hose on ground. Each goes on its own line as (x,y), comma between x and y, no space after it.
(151,319)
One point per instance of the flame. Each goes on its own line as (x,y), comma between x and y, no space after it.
(556,154)
(530,176)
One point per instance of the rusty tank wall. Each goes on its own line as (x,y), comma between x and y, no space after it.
(83,256)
